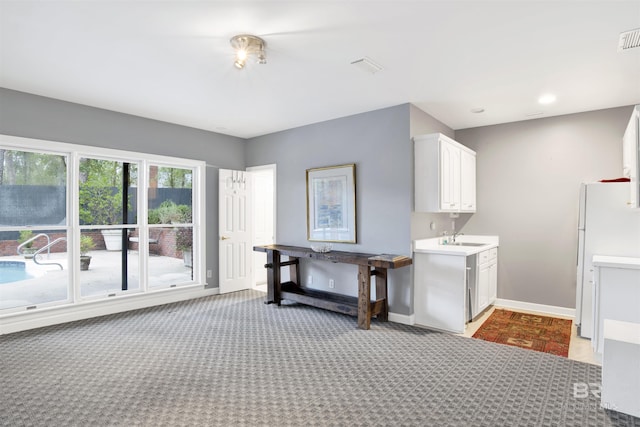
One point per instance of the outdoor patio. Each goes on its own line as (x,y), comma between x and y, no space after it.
(48,283)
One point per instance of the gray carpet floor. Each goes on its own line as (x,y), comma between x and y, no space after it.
(231,360)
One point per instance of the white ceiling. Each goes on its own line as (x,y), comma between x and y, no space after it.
(172,61)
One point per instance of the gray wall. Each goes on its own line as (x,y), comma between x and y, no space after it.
(38,117)
(528,178)
(379,144)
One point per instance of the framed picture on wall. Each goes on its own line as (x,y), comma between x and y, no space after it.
(331,204)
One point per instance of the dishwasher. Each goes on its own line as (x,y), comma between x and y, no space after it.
(471,270)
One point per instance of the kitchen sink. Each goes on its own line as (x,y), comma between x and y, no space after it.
(465,244)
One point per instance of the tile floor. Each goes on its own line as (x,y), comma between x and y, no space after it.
(579,348)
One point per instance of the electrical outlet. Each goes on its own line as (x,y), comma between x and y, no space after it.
(209,274)
(332,284)
(310,280)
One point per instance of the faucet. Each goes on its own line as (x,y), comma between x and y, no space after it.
(454,235)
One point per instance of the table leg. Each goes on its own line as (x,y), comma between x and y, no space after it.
(381,293)
(364,297)
(293,271)
(273,277)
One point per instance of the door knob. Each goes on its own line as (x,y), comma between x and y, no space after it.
(224,238)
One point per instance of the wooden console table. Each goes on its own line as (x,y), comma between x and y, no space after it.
(368,265)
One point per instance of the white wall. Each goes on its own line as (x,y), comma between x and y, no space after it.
(528,177)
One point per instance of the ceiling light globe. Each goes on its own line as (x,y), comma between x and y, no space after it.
(241,55)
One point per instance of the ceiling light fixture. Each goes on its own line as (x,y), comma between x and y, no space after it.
(246,45)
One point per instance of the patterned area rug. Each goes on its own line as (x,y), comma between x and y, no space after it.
(530,331)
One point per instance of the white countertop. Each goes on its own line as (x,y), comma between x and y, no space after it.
(616,262)
(435,246)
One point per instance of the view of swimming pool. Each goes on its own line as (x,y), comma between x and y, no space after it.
(13,271)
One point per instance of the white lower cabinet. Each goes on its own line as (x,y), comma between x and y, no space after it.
(451,289)
(440,291)
(493,281)
(482,289)
(487,286)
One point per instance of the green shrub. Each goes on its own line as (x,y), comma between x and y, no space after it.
(170,213)
(24,236)
(86,244)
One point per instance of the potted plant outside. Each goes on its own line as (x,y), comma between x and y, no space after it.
(86,244)
(168,212)
(27,250)
(101,206)
(184,243)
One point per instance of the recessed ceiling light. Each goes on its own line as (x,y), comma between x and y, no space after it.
(547,98)
(477,110)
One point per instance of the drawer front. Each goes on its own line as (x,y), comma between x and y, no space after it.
(493,253)
(483,257)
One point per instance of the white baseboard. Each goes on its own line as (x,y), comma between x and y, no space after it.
(538,308)
(24,320)
(402,318)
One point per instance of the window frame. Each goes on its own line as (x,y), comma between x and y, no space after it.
(73,153)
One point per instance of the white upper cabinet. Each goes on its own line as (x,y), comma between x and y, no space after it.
(449,176)
(445,175)
(467,181)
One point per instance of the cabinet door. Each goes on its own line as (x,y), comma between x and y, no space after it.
(483,287)
(449,177)
(493,281)
(467,181)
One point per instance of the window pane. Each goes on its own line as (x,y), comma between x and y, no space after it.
(104,272)
(173,261)
(33,268)
(33,188)
(101,189)
(170,195)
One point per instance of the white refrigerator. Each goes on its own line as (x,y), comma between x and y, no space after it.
(606,226)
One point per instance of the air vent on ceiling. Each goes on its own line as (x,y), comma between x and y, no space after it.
(629,40)
(366,64)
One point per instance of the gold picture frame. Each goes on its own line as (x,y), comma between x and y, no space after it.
(331,204)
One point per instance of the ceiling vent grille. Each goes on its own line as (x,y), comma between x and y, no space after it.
(629,40)
(367,65)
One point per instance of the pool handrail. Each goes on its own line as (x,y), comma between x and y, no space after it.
(42,249)
(26,242)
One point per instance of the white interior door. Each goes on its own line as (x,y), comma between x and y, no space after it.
(263,185)
(235,230)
